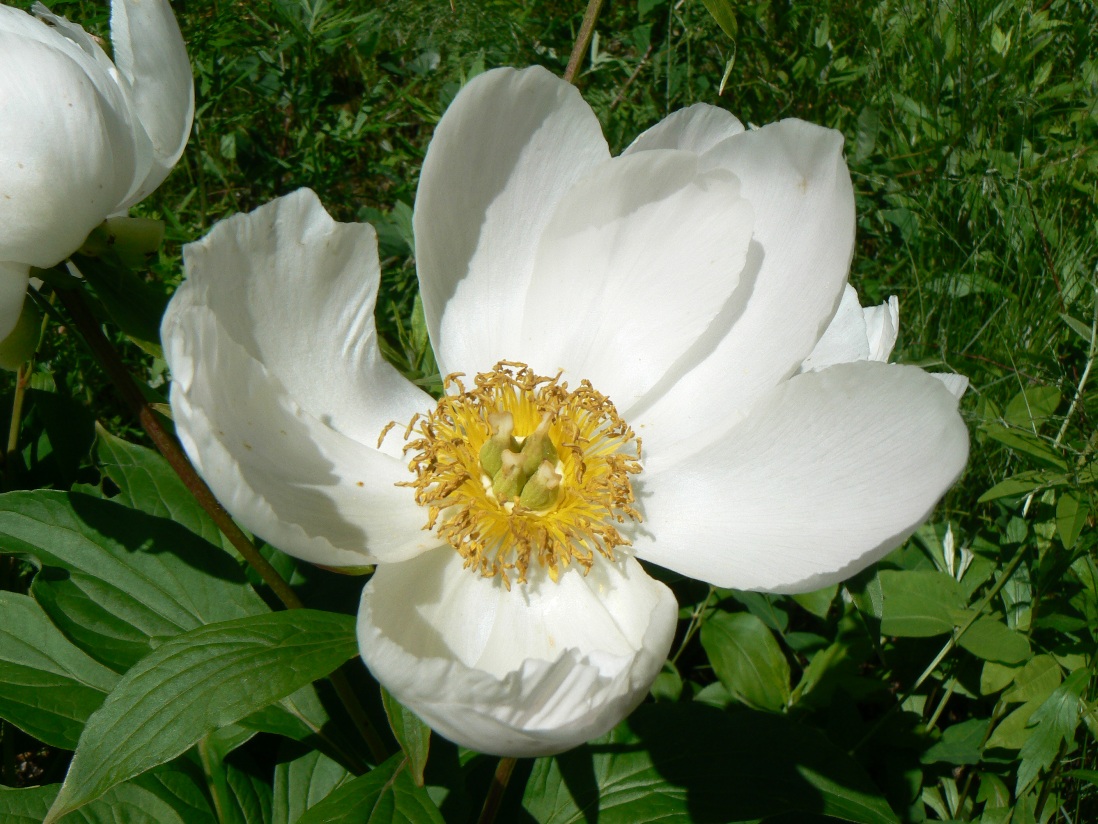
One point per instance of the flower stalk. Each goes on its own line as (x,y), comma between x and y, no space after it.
(583,39)
(84,321)
(494,798)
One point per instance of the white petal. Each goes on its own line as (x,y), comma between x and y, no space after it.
(150,54)
(845,340)
(882,325)
(296,289)
(66,146)
(829,472)
(508,148)
(794,176)
(636,262)
(282,473)
(696,128)
(956,384)
(530,671)
(13,291)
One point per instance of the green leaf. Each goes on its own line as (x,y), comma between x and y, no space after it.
(116,581)
(995,677)
(48,687)
(131,301)
(725,14)
(1021,484)
(1032,406)
(869,126)
(240,796)
(819,601)
(1056,720)
(1077,326)
(1024,441)
(690,762)
(919,604)
(991,640)
(147,482)
(385,794)
(820,677)
(960,743)
(170,795)
(410,732)
(1072,511)
(1036,681)
(747,659)
(195,683)
(303,782)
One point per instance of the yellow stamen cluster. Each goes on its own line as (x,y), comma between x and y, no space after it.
(596,452)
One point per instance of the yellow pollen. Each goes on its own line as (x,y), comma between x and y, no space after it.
(589,487)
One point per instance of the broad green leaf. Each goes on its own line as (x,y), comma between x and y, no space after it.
(116,581)
(1024,441)
(960,743)
(132,302)
(1032,406)
(1072,511)
(681,763)
(385,794)
(818,683)
(725,14)
(1036,681)
(302,782)
(919,604)
(248,792)
(145,481)
(48,687)
(1055,720)
(1021,484)
(170,795)
(240,796)
(995,677)
(195,683)
(991,640)
(410,732)
(869,126)
(747,659)
(819,601)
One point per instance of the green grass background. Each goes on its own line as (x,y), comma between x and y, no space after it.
(972,137)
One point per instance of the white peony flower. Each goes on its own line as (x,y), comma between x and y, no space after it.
(81,137)
(670,295)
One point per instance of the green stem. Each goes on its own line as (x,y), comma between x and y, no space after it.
(695,624)
(494,798)
(83,319)
(22,378)
(583,40)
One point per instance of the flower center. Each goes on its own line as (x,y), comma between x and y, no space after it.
(518,469)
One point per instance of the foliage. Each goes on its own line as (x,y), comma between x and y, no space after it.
(955,681)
